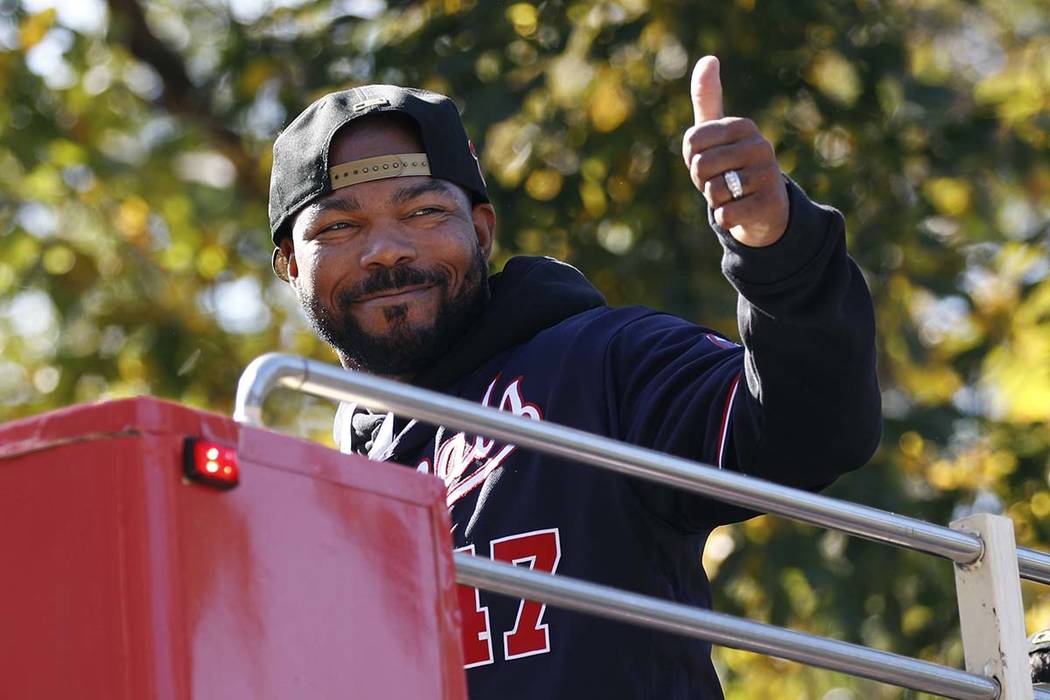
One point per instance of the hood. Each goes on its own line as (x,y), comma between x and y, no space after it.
(528,296)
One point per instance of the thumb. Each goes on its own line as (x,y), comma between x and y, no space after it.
(706,90)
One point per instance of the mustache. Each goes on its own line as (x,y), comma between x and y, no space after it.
(391,279)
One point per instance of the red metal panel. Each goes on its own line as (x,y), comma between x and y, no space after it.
(63,592)
(319,576)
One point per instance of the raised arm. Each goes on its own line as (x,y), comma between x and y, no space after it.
(811,408)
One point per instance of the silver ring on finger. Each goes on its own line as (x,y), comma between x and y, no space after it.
(733,183)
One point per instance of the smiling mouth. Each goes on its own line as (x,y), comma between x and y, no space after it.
(393,293)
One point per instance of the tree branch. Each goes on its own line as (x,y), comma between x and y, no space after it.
(128,26)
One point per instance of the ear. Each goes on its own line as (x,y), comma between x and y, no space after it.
(484,217)
(284,261)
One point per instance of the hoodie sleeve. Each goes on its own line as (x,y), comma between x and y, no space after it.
(799,404)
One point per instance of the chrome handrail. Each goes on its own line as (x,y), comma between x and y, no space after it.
(329,381)
(722,629)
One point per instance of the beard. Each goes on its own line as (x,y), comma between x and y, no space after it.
(405,350)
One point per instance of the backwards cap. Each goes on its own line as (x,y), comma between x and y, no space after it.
(301,172)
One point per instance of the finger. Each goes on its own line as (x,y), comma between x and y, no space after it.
(751,209)
(753,179)
(717,133)
(735,156)
(706,90)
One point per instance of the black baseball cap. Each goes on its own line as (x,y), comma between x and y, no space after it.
(301,172)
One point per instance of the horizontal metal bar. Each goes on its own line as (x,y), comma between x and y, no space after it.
(1034,566)
(725,630)
(335,383)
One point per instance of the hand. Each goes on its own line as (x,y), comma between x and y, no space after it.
(716,144)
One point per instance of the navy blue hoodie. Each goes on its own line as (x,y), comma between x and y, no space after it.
(798,404)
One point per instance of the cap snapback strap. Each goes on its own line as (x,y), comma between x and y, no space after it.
(378,168)
(363,170)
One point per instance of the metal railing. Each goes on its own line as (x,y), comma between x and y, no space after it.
(726,630)
(965,549)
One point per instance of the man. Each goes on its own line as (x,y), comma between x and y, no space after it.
(384,228)
(1039,658)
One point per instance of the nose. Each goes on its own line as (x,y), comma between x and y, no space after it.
(387,247)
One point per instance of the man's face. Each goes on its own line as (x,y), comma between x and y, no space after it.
(390,272)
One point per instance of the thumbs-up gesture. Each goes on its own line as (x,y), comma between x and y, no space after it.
(733,165)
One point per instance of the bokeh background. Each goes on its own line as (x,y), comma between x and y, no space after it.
(134,253)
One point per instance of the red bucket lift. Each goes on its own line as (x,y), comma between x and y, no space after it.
(318,575)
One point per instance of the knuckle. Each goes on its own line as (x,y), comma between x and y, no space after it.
(743,125)
(765,153)
(691,145)
(703,165)
(698,182)
(699,132)
(758,149)
(696,166)
(727,218)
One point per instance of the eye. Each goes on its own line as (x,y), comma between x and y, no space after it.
(332,229)
(427,211)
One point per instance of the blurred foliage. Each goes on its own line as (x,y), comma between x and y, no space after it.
(134,157)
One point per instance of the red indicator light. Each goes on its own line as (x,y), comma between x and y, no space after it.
(210,463)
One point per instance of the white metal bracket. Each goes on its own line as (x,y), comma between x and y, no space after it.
(991,613)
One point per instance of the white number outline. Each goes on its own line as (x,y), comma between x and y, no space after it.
(486,635)
(531,560)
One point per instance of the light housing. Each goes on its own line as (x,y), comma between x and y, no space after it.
(210,463)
